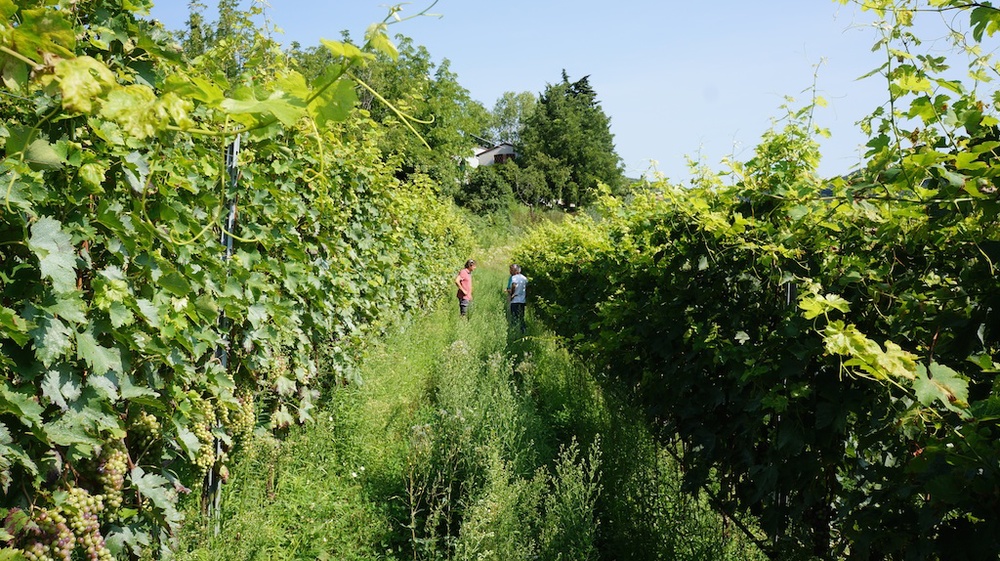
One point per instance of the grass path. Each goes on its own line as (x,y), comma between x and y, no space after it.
(466,441)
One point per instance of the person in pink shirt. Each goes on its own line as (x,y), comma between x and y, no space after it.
(464,283)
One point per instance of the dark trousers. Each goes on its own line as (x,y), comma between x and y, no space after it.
(517,314)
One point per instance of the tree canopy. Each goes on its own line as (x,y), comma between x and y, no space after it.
(568,138)
(509,113)
(443,113)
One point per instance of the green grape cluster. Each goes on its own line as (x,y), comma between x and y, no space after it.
(222,413)
(52,539)
(58,532)
(244,419)
(204,410)
(111,472)
(37,551)
(206,452)
(204,417)
(81,510)
(279,365)
(147,427)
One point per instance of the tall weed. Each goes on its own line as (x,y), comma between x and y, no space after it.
(569,524)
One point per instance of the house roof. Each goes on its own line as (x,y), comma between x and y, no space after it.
(497,147)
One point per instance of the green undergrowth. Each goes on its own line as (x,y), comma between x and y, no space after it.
(498,229)
(468,440)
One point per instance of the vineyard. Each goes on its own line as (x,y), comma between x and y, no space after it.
(823,350)
(185,256)
(194,256)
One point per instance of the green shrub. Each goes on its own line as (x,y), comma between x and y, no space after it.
(486,191)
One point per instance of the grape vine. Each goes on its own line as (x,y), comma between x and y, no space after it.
(825,349)
(116,295)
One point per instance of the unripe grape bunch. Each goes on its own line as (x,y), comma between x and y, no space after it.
(147,428)
(205,458)
(61,531)
(52,539)
(243,420)
(111,472)
(82,509)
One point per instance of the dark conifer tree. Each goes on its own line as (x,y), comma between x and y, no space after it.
(568,138)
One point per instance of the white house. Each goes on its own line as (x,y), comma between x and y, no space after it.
(473,160)
(496,155)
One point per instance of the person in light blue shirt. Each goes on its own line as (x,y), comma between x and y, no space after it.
(517,292)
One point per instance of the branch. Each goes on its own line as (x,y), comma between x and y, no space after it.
(34,65)
(406,118)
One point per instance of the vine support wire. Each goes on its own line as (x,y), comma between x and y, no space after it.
(213,485)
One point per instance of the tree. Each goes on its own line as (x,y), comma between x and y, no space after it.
(486,191)
(509,115)
(526,184)
(227,44)
(569,131)
(412,91)
(438,108)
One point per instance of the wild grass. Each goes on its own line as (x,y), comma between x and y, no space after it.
(499,229)
(467,441)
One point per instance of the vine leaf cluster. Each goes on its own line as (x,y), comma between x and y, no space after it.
(114,401)
(825,349)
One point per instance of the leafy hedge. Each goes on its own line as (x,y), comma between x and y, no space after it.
(825,350)
(137,351)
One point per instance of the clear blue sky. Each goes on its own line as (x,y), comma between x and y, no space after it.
(675,77)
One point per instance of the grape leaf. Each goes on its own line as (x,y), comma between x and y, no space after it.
(984,19)
(81,80)
(942,384)
(131,391)
(257,314)
(14,326)
(7,9)
(175,283)
(279,105)
(23,405)
(342,50)
(194,87)
(377,37)
(64,432)
(69,306)
(912,83)
(101,359)
(43,30)
(42,155)
(159,490)
(188,440)
(9,450)
(814,305)
(104,385)
(117,539)
(90,411)
(54,249)
(120,315)
(13,72)
(149,311)
(61,388)
(134,108)
(294,84)
(334,104)
(52,338)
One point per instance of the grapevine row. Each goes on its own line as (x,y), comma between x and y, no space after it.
(136,354)
(825,349)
